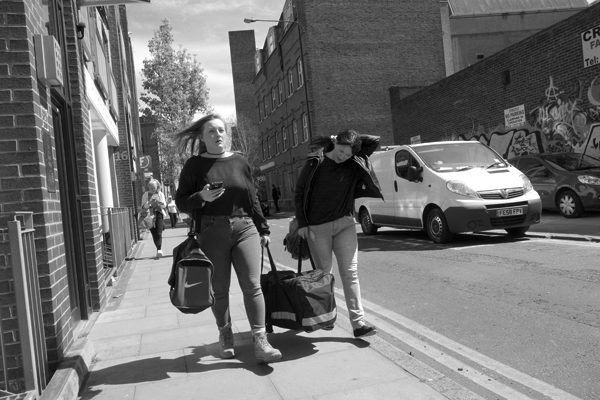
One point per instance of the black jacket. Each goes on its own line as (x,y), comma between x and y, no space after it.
(369,188)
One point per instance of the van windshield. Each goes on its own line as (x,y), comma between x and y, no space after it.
(447,157)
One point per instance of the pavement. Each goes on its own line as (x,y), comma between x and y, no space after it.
(144,348)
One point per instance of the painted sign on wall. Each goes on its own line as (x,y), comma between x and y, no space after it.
(514,117)
(590,43)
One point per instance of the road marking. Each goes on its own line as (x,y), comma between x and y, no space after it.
(468,372)
(478,358)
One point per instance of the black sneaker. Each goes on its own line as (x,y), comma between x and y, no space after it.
(365,331)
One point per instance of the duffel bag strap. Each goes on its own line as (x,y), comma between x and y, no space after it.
(303,242)
(262,263)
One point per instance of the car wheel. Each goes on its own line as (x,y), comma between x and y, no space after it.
(366,223)
(437,227)
(517,232)
(569,204)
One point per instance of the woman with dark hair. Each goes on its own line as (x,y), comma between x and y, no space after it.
(217,191)
(331,179)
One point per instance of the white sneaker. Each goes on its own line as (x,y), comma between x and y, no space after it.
(226,342)
(263,351)
(159,254)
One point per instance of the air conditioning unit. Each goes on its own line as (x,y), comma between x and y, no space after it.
(48,60)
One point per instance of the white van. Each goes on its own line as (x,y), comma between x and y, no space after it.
(446,188)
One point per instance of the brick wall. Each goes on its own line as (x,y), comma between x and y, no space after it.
(546,76)
(356,50)
(242,47)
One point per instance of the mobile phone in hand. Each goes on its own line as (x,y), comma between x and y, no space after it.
(216,185)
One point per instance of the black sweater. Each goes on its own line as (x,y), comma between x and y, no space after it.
(239,198)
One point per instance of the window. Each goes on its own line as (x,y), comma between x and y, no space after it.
(274,98)
(295,126)
(290,83)
(534,169)
(260,111)
(284,137)
(288,14)
(280,92)
(257,61)
(300,74)
(270,140)
(266,102)
(271,40)
(277,142)
(304,127)
(264,150)
(404,160)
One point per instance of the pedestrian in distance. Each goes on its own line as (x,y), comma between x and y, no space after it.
(216,188)
(275,195)
(173,212)
(154,201)
(330,180)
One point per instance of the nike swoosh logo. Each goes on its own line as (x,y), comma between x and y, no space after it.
(189,285)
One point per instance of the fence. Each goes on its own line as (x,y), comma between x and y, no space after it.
(118,243)
(30,343)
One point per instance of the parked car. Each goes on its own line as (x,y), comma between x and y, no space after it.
(446,188)
(569,182)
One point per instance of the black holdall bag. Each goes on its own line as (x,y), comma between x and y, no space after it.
(291,242)
(191,277)
(298,300)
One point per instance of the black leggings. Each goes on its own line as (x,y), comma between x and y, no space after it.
(158,229)
(173,217)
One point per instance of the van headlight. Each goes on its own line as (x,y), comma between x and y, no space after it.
(461,188)
(527,186)
(589,180)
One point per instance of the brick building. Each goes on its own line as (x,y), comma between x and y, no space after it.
(68,164)
(330,69)
(475,29)
(549,81)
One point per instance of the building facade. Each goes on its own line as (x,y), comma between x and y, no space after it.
(538,95)
(326,67)
(477,29)
(69,135)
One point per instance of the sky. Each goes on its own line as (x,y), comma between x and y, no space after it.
(202,27)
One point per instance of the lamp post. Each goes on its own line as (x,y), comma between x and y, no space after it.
(304,69)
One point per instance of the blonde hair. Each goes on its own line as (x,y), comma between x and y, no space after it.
(190,140)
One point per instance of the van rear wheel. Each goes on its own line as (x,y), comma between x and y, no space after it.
(366,223)
(437,227)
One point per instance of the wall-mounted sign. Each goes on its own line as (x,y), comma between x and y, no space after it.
(590,42)
(415,139)
(514,117)
(93,3)
(49,161)
(146,164)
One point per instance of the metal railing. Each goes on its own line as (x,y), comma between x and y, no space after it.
(21,237)
(118,244)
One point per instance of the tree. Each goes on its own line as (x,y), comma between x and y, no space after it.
(245,140)
(175,90)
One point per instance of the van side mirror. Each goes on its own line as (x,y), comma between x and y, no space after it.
(413,174)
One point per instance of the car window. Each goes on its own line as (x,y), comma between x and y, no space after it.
(404,160)
(533,168)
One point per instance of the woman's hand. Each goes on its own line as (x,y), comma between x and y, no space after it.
(303,232)
(211,195)
(265,240)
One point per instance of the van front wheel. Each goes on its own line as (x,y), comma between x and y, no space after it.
(366,223)
(437,227)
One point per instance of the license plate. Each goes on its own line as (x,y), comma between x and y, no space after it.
(507,212)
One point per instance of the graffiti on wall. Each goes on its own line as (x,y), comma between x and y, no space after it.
(561,122)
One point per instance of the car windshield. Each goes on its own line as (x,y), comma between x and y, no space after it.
(572,161)
(452,156)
